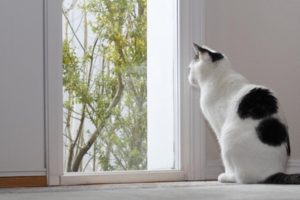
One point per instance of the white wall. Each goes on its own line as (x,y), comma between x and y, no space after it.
(262,39)
(21,86)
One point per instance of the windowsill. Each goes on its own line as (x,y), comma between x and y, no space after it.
(122,177)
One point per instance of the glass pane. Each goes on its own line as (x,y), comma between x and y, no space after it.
(105,85)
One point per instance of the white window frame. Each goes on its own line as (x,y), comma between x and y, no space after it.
(190,123)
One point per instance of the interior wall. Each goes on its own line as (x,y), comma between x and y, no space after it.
(262,40)
(22,139)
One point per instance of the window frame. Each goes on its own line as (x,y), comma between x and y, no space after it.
(191,139)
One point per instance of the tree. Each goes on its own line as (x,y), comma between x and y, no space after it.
(105,99)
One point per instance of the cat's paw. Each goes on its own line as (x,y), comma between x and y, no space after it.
(226,178)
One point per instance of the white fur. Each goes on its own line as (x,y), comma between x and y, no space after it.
(246,159)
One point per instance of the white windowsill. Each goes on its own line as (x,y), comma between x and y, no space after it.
(122,177)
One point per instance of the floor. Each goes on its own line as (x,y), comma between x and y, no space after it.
(156,191)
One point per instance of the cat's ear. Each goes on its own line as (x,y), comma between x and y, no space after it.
(207,53)
(196,48)
(200,53)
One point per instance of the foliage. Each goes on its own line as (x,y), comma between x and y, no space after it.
(105,101)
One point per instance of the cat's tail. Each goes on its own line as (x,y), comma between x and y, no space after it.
(282,178)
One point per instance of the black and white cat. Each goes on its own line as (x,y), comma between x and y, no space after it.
(246,119)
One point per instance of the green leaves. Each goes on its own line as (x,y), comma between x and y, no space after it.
(91,77)
(70,68)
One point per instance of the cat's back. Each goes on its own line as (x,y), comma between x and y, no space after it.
(254,102)
(255,115)
(255,135)
(257,102)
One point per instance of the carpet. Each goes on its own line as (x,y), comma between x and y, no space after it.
(156,191)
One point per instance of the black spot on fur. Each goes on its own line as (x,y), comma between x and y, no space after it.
(215,56)
(272,132)
(257,104)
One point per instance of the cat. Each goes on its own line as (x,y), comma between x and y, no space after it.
(246,119)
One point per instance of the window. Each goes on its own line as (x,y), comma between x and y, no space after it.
(108,84)
(105,85)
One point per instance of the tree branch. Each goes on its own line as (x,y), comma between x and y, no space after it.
(94,136)
(73,31)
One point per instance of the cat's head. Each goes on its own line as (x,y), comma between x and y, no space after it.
(205,61)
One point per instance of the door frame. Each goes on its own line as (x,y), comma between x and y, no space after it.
(53,90)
